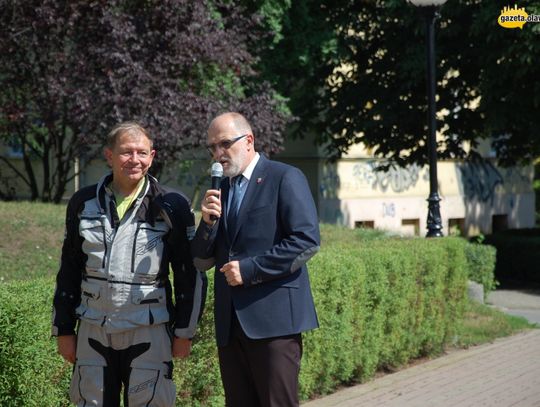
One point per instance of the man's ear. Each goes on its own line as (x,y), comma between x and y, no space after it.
(251,140)
(107,153)
(152,156)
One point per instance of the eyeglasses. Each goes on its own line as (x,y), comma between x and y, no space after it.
(223,144)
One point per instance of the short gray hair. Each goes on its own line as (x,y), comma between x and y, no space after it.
(126,127)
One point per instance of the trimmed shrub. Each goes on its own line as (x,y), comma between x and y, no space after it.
(33,374)
(481,265)
(380,301)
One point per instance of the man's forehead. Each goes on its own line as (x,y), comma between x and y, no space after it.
(129,138)
(222,125)
(132,136)
(221,135)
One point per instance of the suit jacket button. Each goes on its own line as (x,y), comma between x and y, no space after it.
(231,254)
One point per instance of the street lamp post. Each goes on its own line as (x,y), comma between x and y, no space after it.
(434,223)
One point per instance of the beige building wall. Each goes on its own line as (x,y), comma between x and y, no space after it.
(353,193)
(474,197)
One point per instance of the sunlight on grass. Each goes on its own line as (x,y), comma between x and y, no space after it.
(31,239)
(483,324)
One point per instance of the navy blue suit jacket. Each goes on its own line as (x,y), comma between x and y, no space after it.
(277,232)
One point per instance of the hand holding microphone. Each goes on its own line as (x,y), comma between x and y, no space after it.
(211,205)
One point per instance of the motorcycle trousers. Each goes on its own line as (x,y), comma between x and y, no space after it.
(139,360)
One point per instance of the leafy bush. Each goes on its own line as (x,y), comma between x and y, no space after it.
(481,265)
(380,301)
(33,374)
(518,255)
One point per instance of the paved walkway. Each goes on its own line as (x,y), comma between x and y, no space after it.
(501,374)
(523,303)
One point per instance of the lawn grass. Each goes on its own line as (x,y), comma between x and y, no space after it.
(482,324)
(31,237)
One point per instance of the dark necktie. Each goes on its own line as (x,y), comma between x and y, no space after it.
(236,196)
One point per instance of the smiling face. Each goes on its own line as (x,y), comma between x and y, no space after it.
(239,154)
(129,158)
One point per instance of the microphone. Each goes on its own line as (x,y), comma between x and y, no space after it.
(216,172)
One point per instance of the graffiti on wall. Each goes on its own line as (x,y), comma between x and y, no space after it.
(480,179)
(397,179)
(366,175)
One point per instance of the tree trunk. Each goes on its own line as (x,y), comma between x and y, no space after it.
(32,183)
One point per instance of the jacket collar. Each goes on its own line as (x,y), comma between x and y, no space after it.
(148,208)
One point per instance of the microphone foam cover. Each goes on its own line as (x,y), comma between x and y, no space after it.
(216,170)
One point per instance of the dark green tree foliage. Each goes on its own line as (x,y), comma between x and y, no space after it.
(356,72)
(72,69)
(297,53)
(509,81)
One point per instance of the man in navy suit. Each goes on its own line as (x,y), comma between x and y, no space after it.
(259,230)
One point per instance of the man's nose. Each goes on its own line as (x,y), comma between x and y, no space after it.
(216,153)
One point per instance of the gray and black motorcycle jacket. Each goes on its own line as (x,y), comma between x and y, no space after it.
(115,274)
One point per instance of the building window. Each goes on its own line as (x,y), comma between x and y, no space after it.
(456,227)
(410,227)
(499,222)
(366,224)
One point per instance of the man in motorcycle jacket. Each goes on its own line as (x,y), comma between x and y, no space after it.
(113,311)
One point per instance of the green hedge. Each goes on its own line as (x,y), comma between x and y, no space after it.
(518,255)
(33,374)
(481,265)
(381,302)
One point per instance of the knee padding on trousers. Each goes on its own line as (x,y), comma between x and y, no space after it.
(151,384)
(87,383)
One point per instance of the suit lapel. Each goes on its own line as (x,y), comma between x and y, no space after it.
(255,183)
